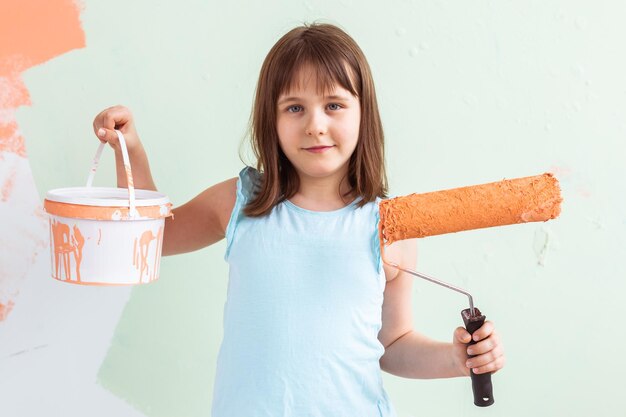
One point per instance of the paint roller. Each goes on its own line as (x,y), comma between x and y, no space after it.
(521,200)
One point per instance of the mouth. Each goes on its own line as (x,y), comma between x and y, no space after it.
(318,149)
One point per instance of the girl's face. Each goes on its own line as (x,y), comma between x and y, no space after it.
(317,131)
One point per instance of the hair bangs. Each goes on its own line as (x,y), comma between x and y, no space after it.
(329,67)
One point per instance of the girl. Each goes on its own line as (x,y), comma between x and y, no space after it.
(312,313)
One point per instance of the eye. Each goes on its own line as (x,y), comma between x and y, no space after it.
(294,109)
(334,106)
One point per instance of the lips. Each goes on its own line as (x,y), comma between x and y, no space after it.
(318,149)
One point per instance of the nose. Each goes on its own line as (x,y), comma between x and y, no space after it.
(316,124)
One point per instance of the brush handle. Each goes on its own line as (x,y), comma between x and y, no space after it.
(481,383)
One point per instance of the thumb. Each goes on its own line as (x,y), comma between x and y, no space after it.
(108,135)
(461,335)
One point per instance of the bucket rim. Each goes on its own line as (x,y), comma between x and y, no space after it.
(105,197)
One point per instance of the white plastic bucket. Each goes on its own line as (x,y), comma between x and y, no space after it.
(106,236)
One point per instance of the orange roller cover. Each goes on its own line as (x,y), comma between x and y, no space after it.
(521,200)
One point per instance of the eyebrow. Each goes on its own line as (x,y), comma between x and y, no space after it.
(333,97)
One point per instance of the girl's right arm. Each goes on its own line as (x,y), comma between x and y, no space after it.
(196,224)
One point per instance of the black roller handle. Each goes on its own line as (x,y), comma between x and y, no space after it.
(481,383)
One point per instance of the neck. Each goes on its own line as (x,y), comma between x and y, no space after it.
(323,194)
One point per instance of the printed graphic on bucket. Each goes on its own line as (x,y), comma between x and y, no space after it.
(106,236)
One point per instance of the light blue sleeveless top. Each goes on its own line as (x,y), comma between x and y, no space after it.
(303,313)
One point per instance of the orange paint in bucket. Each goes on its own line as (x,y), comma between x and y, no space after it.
(106,236)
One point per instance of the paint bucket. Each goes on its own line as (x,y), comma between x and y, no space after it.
(106,236)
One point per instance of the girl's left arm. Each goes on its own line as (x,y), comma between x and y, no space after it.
(409,353)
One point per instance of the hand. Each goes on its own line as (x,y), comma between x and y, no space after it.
(120,118)
(488,350)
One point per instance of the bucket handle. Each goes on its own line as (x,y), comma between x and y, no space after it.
(129,174)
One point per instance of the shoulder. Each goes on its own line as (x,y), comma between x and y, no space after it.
(401,252)
(249,182)
(243,187)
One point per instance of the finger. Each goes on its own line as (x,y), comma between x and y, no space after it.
(492,367)
(461,335)
(108,135)
(484,345)
(484,359)
(481,361)
(483,331)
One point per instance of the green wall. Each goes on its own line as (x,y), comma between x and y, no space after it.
(470,92)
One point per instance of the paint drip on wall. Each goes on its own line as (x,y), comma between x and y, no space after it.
(31,33)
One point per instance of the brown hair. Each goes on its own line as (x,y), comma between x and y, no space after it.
(336,59)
